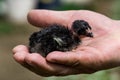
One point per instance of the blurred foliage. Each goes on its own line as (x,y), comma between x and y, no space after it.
(116,9)
(73,7)
(5,27)
(102,75)
(9,28)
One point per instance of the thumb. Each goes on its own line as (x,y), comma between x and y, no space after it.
(41,18)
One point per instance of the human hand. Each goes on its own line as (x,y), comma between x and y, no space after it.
(94,54)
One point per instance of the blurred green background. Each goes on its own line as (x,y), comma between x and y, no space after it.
(14,30)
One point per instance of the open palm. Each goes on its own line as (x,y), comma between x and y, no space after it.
(94,54)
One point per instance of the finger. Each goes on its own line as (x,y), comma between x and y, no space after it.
(20,48)
(83,57)
(61,57)
(46,17)
(20,52)
(41,65)
(20,56)
(72,59)
(36,59)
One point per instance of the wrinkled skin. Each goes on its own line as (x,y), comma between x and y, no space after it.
(94,54)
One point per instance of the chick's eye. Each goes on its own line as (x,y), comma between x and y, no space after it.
(63,37)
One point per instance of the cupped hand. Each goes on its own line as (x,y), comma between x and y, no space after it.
(98,53)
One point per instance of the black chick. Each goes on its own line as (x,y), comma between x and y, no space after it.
(58,38)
